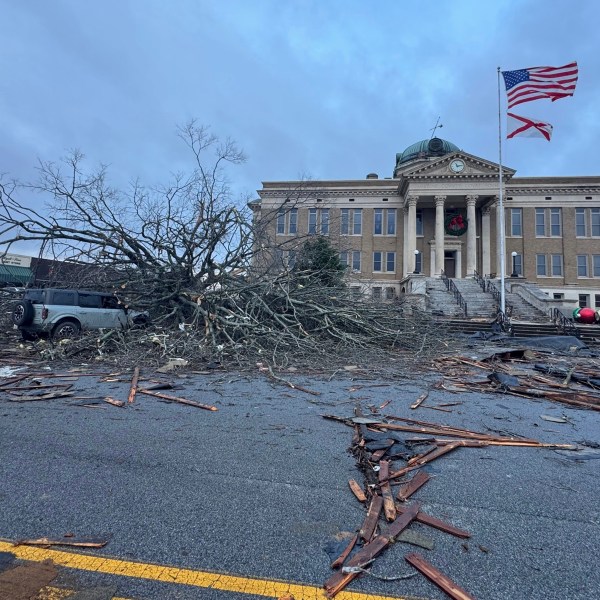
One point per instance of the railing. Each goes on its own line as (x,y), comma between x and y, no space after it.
(565,325)
(504,321)
(495,292)
(480,280)
(451,287)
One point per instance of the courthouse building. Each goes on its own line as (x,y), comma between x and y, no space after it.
(438,213)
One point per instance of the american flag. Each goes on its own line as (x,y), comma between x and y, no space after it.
(517,125)
(535,83)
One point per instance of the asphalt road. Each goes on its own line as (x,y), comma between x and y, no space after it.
(259,488)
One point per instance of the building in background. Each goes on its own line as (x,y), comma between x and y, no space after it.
(437,214)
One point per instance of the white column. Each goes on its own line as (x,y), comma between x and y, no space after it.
(405,243)
(471,236)
(412,232)
(432,260)
(439,233)
(486,233)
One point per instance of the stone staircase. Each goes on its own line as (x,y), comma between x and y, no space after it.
(480,304)
(526,319)
(523,310)
(440,302)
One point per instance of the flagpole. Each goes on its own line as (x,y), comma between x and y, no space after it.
(501,217)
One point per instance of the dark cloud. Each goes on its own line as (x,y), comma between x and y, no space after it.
(326,89)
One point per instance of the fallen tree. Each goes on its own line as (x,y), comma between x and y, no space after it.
(184,252)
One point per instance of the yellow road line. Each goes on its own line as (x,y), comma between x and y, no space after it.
(176,575)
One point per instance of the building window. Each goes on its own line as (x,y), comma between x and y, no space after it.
(557,265)
(280,222)
(582,265)
(557,296)
(540,260)
(555,222)
(324,221)
(391,221)
(345,221)
(378,221)
(584,300)
(595,222)
(377,294)
(540,222)
(357,222)
(580,222)
(419,222)
(344,258)
(390,262)
(293,222)
(516,222)
(356,261)
(355,292)
(376,262)
(596,265)
(390,293)
(318,221)
(287,221)
(312,221)
(597,300)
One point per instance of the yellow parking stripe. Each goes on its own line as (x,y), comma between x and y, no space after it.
(201,579)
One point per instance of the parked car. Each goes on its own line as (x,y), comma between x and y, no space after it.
(66,313)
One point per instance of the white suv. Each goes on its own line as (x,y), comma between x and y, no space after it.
(65,313)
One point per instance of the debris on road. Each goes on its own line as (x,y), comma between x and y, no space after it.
(134,385)
(437,577)
(65,541)
(378,443)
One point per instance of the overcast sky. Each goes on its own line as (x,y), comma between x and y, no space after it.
(329,89)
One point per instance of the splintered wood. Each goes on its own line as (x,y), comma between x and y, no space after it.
(134,385)
(442,581)
(378,443)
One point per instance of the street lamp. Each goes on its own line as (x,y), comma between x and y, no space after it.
(514,263)
(416,271)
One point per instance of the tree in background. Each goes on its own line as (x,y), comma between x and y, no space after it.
(320,261)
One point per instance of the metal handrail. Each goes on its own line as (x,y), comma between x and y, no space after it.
(495,292)
(504,321)
(565,325)
(480,280)
(451,287)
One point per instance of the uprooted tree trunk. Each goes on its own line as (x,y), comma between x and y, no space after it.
(185,253)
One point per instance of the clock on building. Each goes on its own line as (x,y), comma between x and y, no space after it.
(457,165)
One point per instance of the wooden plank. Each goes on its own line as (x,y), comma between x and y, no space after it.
(357,490)
(76,542)
(409,488)
(427,458)
(389,508)
(114,402)
(176,399)
(420,400)
(436,523)
(134,385)
(378,454)
(339,581)
(339,561)
(368,528)
(434,575)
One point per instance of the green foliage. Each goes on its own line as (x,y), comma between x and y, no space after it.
(320,261)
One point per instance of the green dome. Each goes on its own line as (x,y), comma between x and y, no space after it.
(426,148)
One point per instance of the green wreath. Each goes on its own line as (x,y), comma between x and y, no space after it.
(455,224)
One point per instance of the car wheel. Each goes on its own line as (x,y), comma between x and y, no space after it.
(66,330)
(22,313)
